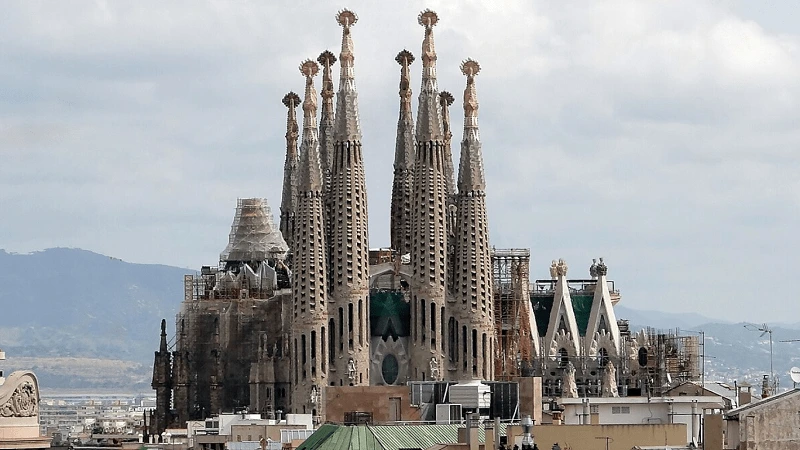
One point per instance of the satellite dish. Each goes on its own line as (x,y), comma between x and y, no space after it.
(794,372)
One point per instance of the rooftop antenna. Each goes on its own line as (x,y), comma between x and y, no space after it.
(765,329)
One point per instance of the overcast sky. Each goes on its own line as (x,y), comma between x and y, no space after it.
(662,135)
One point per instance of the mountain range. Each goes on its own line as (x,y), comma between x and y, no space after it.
(83,320)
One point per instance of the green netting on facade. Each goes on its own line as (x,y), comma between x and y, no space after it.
(389,314)
(542,305)
(582,306)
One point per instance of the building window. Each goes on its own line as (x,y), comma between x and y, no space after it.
(620,410)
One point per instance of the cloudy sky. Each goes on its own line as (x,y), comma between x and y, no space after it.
(662,135)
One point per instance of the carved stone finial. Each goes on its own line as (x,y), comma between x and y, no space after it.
(470,67)
(163,326)
(309,69)
(593,269)
(601,268)
(553,270)
(346,18)
(291,100)
(428,18)
(326,58)
(562,268)
(404,58)
(446,98)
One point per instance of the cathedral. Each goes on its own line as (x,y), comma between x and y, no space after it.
(296,307)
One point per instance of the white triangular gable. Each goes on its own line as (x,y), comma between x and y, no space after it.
(602,311)
(562,312)
(533,329)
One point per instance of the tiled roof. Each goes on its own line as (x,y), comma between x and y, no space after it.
(384,437)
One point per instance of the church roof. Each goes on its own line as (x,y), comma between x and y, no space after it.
(384,437)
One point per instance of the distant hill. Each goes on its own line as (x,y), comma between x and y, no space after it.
(76,303)
(84,320)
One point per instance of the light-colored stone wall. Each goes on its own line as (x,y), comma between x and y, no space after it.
(622,437)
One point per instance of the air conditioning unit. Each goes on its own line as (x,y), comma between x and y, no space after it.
(448,413)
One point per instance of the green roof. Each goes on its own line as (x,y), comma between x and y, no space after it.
(319,436)
(542,305)
(582,306)
(384,437)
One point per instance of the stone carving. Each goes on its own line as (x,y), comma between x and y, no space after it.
(593,269)
(610,381)
(554,270)
(351,369)
(313,395)
(601,268)
(561,268)
(24,402)
(570,389)
(434,364)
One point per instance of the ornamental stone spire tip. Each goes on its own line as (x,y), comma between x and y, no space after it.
(429,126)
(470,176)
(348,127)
(310,177)
(327,117)
(405,58)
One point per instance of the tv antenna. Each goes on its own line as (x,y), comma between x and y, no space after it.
(765,329)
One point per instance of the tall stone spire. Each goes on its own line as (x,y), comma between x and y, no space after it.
(309,311)
(403,162)
(429,226)
(473,265)
(289,196)
(349,254)
(162,383)
(327,118)
(348,127)
(445,100)
(429,121)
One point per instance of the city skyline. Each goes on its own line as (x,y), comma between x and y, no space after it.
(659,139)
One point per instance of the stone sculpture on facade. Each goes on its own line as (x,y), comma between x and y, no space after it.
(434,369)
(351,370)
(601,268)
(561,268)
(593,269)
(553,270)
(570,389)
(610,381)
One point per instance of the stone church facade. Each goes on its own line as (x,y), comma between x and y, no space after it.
(304,305)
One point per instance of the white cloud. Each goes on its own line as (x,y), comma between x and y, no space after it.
(660,134)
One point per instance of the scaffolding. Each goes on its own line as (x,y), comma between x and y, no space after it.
(511,314)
